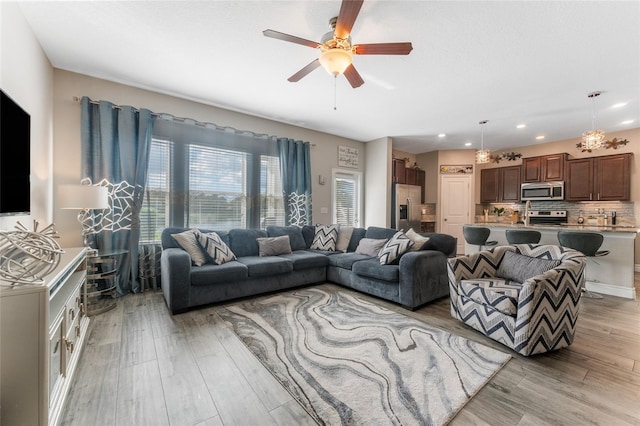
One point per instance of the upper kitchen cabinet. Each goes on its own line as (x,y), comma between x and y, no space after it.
(606,178)
(546,168)
(500,185)
(399,167)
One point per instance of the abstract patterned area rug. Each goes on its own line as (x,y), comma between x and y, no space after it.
(349,361)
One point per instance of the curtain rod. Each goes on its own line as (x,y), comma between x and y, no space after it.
(171,117)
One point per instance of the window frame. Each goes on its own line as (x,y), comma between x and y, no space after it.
(357,177)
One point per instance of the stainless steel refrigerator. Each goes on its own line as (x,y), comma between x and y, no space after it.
(406,207)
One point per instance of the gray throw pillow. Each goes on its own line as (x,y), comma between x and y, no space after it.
(370,247)
(344,236)
(418,240)
(273,246)
(519,268)
(188,240)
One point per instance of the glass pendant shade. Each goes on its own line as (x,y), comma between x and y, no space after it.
(483,156)
(336,60)
(592,139)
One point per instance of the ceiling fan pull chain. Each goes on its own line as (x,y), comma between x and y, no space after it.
(335,90)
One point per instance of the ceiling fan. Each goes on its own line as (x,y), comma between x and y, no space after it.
(336,48)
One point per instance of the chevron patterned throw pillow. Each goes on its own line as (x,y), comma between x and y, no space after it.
(216,248)
(325,237)
(394,248)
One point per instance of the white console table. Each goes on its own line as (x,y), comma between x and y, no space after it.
(42,330)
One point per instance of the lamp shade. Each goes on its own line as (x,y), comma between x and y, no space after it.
(81,197)
(336,60)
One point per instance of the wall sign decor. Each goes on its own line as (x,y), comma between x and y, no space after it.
(464,169)
(348,157)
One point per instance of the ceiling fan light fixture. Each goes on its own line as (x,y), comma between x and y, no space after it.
(336,60)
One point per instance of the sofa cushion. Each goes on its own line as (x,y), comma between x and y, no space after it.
(210,274)
(346,260)
(398,245)
(344,236)
(325,237)
(265,266)
(370,247)
(217,250)
(444,243)
(307,260)
(294,232)
(308,232)
(188,240)
(518,267)
(169,242)
(244,243)
(500,294)
(373,269)
(273,246)
(418,240)
(377,233)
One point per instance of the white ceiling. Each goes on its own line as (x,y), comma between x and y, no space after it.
(508,62)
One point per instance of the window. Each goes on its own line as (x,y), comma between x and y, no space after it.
(346,197)
(212,182)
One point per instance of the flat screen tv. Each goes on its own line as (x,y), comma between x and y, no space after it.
(15,158)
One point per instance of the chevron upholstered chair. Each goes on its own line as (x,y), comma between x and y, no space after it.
(524,296)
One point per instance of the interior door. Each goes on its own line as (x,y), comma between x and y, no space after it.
(455,201)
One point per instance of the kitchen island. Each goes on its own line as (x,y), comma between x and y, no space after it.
(612,274)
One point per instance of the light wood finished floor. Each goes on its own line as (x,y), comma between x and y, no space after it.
(142,366)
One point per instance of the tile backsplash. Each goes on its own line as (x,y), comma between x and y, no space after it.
(624,209)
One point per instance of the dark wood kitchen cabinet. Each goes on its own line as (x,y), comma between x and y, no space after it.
(546,168)
(606,178)
(500,185)
(399,174)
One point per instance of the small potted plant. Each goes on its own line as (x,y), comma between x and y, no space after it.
(499,211)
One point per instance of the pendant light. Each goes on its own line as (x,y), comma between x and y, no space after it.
(483,155)
(592,139)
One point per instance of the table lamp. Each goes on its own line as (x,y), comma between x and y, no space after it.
(83,198)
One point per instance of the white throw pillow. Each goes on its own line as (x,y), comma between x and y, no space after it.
(344,236)
(188,240)
(418,240)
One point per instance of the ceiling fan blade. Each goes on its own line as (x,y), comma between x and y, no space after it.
(290,38)
(304,71)
(353,77)
(349,10)
(383,49)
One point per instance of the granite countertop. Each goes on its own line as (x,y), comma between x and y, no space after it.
(592,228)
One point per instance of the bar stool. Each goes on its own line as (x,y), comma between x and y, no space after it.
(522,236)
(588,244)
(477,235)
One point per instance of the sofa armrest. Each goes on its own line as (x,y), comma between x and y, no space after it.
(175,266)
(423,277)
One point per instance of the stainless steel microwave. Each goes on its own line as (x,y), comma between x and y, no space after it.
(552,191)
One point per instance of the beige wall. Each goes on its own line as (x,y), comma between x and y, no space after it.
(66,155)
(377,183)
(27,77)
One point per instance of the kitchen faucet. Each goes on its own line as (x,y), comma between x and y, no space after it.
(527,207)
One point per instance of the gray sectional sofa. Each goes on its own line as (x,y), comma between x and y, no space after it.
(418,278)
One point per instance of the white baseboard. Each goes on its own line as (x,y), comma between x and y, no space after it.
(611,290)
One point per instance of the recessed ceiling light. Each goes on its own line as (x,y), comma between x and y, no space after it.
(521,126)
(467,144)
(442,135)
(619,105)
(540,137)
(627,122)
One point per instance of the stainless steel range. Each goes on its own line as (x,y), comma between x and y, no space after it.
(547,217)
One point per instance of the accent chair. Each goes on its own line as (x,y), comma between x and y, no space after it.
(524,296)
